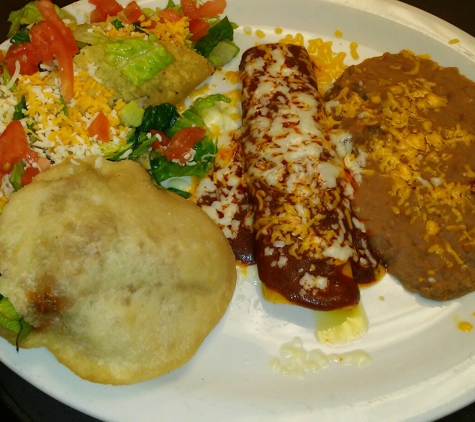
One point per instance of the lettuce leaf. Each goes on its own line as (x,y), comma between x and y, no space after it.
(138,59)
(18,113)
(161,117)
(193,115)
(22,36)
(13,321)
(131,115)
(15,175)
(222,31)
(30,14)
(161,169)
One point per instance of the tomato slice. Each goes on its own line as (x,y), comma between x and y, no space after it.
(162,141)
(132,12)
(50,44)
(2,61)
(49,14)
(97,16)
(100,127)
(169,15)
(198,28)
(103,9)
(28,175)
(44,39)
(206,10)
(183,141)
(13,146)
(54,39)
(27,55)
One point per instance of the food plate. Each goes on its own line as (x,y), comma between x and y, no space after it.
(423,365)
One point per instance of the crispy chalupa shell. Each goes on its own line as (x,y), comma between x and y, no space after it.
(171,85)
(122,281)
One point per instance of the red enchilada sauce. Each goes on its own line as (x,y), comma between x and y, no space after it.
(309,248)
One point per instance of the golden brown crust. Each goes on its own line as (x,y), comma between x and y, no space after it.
(122,280)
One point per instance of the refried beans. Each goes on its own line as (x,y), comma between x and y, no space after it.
(416,121)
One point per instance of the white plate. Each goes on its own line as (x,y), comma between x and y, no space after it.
(423,366)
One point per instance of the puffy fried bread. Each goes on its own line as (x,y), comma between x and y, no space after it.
(121,280)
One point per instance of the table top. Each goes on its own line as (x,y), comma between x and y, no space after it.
(20,401)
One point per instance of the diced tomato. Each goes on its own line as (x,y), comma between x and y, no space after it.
(54,39)
(103,9)
(198,28)
(43,38)
(183,141)
(66,74)
(50,44)
(2,61)
(13,146)
(132,12)
(27,55)
(49,14)
(31,156)
(169,15)
(100,127)
(162,141)
(43,163)
(28,175)
(97,16)
(206,10)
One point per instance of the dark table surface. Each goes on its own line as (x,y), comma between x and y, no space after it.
(20,401)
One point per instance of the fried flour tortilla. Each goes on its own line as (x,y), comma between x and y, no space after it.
(122,281)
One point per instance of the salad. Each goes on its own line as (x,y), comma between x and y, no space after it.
(54,107)
(53,110)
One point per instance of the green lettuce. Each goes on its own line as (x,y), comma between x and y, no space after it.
(193,116)
(161,169)
(117,152)
(29,15)
(15,175)
(18,113)
(131,115)
(13,321)
(138,59)
(21,37)
(221,31)
(161,117)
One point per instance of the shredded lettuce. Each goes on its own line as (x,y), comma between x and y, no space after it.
(221,31)
(223,53)
(161,169)
(193,116)
(18,114)
(138,59)
(180,192)
(165,118)
(30,14)
(21,36)
(116,152)
(15,175)
(141,144)
(131,115)
(82,35)
(161,117)
(117,24)
(13,321)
